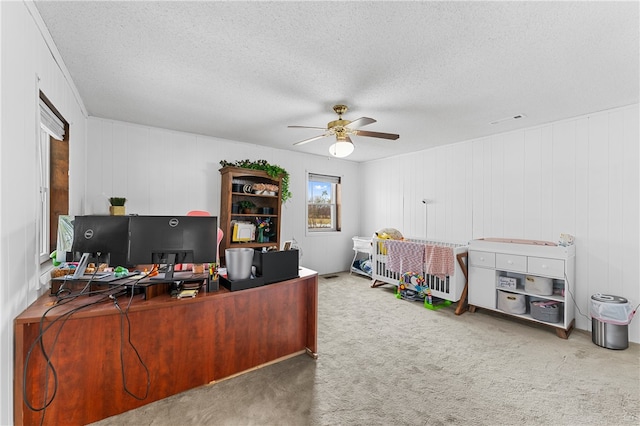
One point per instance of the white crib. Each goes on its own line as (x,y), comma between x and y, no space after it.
(450,288)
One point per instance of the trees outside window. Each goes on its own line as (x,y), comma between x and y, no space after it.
(323,203)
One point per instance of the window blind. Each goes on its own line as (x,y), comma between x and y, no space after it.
(50,122)
(323,178)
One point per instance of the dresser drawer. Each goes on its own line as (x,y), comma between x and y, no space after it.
(546,267)
(482,259)
(511,262)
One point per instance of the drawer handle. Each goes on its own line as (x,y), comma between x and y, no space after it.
(543,266)
(510,262)
(482,259)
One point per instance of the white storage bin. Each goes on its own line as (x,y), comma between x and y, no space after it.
(512,303)
(538,285)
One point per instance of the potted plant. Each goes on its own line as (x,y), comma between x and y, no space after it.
(247,207)
(117,206)
(272,170)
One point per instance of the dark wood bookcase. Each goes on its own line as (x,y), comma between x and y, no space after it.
(236,187)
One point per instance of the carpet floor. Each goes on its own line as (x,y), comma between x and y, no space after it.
(386,361)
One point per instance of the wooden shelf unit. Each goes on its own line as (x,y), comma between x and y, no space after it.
(228,198)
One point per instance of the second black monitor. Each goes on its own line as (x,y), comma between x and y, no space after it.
(172,239)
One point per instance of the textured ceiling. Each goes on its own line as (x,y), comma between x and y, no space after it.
(434,72)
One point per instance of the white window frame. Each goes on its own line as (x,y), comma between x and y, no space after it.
(334,204)
(44,201)
(50,127)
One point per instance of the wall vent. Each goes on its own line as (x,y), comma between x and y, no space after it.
(515,117)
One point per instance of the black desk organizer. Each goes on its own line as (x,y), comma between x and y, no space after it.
(236,285)
(275,266)
(271,267)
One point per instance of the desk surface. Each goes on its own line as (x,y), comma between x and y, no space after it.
(209,337)
(37,309)
(151,286)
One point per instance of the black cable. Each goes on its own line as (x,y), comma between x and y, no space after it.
(125,315)
(568,286)
(70,292)
(61,289)
(105,291)
(42,330)
(49,364)
(633,313)
(39,341)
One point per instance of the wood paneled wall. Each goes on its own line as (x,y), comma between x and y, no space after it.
(577,176)
(29,63)
(162,171)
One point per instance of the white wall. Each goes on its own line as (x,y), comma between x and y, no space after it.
(168,172)
(27,65)
(577,176)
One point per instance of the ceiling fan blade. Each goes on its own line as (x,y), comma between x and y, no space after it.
(306,127)
(310,139)
(391,136)
(359,122)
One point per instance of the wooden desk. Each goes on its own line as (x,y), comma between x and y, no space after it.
(184,343)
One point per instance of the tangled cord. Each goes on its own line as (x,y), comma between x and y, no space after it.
(62,299)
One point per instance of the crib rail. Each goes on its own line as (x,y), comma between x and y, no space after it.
(448,288)
(436,242)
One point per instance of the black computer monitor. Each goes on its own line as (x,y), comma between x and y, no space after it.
(100,239)
(170,240)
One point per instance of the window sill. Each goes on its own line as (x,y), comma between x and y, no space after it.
(322,233)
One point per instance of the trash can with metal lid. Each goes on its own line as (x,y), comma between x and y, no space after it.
(610,317)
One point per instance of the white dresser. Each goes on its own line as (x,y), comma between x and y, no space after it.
(502,272)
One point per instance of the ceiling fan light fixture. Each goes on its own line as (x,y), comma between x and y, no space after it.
(342,129)
(341,149)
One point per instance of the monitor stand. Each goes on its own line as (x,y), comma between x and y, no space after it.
(82,266)
(168,273)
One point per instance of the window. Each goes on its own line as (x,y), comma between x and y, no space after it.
(323,206)
(53,176)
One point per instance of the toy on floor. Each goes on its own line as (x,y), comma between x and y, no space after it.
(412,286)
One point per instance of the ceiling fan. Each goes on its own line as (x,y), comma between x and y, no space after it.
(342,129)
